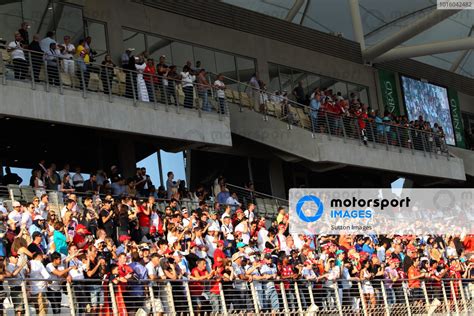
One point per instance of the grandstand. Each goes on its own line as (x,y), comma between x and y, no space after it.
(261,96)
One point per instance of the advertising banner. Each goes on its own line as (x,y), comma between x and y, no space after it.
(389,91)
(456,117)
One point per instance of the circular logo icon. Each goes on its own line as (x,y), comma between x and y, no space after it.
(313,200)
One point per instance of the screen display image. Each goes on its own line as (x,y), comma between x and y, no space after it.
(429,101)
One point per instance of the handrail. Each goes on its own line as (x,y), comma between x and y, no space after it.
(256,193)
(298,297)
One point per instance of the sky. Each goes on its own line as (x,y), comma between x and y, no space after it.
(171,162)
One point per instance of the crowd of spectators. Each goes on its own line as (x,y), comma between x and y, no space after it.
(145,80)
(149,81)
(331,112)
(131,238)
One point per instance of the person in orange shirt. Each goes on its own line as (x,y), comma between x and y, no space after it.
(414,280)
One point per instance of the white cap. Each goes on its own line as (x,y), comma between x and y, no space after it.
(130,49)
(98,241)
(39,218)
(16,204)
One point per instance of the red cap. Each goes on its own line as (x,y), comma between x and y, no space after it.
(220,242)
(124,237)
(267,250)
(395,260)
(281,226)
(84,228)
(308,262)
(193,244)
(410,247)
(239,211)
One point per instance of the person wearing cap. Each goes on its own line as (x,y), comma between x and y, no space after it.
(35,246)
(16,214)
(83,237)
(242,295)
(307,273)
(391,276)
(16,270)
(39,226)
(270,273)
(212,239)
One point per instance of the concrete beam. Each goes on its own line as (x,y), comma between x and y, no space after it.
(406,33)
(462,55)
(298,142)
(357,23)
(19,100)
(427,49)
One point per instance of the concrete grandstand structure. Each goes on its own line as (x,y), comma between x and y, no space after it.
(248,117)
(191,32)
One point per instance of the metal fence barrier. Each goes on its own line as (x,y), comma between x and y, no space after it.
(221,297)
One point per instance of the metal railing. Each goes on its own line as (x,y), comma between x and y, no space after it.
(341,125)
(223,296)
(57,73)
(265,205)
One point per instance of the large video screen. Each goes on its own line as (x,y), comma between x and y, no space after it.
(429,101)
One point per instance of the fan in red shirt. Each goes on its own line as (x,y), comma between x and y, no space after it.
(362,117)
(196,287)
(144,212)
(219,255)
(81,237)
(286,272)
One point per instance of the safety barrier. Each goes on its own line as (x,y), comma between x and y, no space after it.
(122,296)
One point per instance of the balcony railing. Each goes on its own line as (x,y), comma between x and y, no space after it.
(54,73)
(233,297)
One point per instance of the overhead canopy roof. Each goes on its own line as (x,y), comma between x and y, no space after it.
(380,20)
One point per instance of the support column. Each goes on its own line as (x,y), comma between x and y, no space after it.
(277,182)
(356,23)
(126,156)
(160,167)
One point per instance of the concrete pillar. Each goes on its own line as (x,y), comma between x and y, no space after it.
(126,156)
(100,10)
(277,181)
